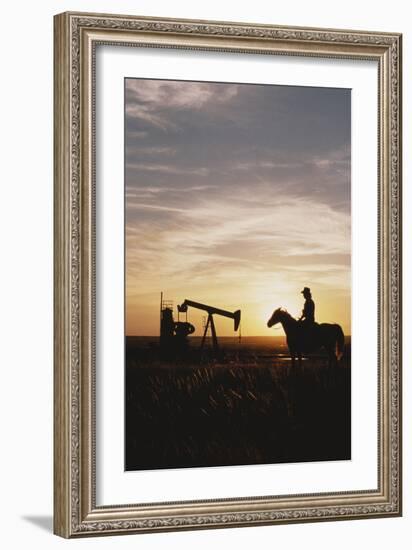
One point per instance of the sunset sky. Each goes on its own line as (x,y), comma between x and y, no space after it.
(237,196)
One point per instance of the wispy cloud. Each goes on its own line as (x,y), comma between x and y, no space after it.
(155,192)
(151,151)
(136,134)
(258,164)
(147,114)
(281,226)
(167,168)
(147,99)
(175,94)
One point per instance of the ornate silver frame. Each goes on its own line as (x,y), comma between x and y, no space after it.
(75,38)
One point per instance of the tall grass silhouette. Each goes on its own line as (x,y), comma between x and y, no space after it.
(258,412)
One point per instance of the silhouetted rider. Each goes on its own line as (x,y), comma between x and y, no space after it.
(308,312)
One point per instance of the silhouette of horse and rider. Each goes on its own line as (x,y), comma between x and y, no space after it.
(304,335)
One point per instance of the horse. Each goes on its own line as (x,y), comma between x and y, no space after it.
(324,335)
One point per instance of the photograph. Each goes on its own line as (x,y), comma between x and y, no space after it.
(237,274)
(227,273)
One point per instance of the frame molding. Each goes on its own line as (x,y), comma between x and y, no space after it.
(75,38)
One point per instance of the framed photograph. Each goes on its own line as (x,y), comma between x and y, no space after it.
(227,274)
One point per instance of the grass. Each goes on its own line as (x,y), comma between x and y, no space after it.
(191,416)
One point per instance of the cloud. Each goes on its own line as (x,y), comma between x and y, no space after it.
(152,151)
(134,194)
(265,164)
(167,168)
(206,236)
(136,134)
(174,94)
(158,207)
(152,100)
(147,114)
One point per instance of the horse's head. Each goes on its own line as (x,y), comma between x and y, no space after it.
(277,316)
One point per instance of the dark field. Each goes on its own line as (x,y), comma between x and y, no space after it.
(250,407)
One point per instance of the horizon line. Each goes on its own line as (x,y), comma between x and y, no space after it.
(201,336)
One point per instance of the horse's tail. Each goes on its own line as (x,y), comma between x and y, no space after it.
(340,343)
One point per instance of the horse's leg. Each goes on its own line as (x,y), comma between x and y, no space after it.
(328,351)
(293,356)
(335,360)
(300,359)
(331,357)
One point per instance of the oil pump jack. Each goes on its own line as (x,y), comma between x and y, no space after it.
(210,322)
